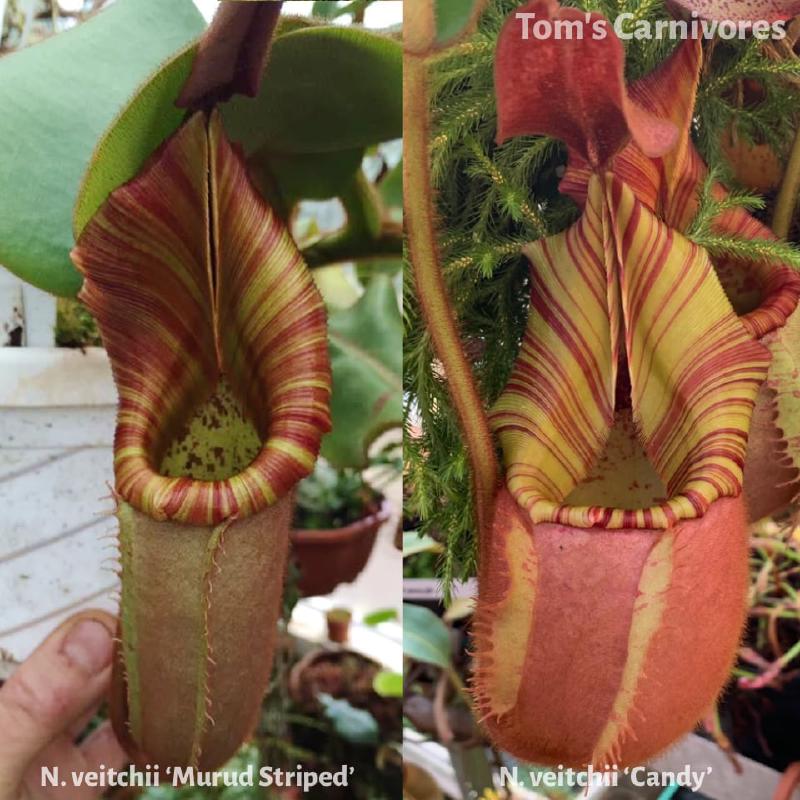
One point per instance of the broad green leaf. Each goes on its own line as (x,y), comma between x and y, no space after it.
(391,187)
(431,25)
(324,89)
(339,286)
(288,23)
(413,543)
(353,724)
(388,684)
(57,99)
(326,9)
(332,9)
(425,636)
(390,267)
(148,119)
(365,345)
(455,17)
(306,176)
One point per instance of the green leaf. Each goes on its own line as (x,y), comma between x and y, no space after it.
(326,9)
(324,89)
(365,345)
(376,617)
(57,99)
(306,176)
(391,187)
(287,24)
(339,286)
(425,637)
(455,17)
(413,543)
(353,724)
(388,684)
(148,119)
(391,267)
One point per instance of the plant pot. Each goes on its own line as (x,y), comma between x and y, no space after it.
(338,620)
(337,555)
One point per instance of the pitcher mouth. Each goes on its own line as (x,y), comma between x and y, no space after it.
(215,331)
(621,286)
(764,295)
(622,490)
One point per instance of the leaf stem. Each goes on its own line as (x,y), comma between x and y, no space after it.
(367,235)
(432,293)
(787,196)
(342,246)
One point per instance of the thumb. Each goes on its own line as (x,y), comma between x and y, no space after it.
(47,694)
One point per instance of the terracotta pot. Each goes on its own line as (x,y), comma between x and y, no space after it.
(338,620)
(337,555)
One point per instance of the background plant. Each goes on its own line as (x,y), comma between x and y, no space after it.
(333,498)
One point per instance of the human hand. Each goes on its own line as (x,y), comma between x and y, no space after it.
(48,701)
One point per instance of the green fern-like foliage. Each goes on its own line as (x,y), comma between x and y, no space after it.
(493,198)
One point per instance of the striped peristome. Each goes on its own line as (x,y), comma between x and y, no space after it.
(191,277)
